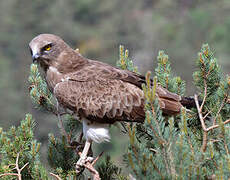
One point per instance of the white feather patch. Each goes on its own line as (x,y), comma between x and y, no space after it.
(54,70)
(35,49)
(96,132)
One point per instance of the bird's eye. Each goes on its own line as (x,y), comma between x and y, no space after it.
(47,47)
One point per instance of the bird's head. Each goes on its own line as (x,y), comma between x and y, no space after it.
(46,48)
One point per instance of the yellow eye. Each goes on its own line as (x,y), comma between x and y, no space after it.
(47,48)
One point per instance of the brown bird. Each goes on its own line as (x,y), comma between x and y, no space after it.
(97,92)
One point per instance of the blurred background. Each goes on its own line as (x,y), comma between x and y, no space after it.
(97,28)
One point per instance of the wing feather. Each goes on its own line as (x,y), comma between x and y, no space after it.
(107,102)
(95,70)
(107,94)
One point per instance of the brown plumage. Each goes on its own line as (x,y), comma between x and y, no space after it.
(95,90)
(99,93)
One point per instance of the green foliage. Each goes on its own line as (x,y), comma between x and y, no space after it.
(209,72)
(39,92)
(162,147)
(62,157)
(214,86)
(62,154)
(158,149)
(124,61)
(19,143)
(109,171)
(152,157)
(165,147)
(165,77)
(142,26)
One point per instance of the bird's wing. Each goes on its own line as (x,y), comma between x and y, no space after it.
(96,72)
(102,100)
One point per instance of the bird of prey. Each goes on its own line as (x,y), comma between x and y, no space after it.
(97,92)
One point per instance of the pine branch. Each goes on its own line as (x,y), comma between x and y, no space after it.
(56,176)
(20,142)
(18,174)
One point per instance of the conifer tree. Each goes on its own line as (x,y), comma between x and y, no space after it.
(193,144)
(20,153)
(199,146)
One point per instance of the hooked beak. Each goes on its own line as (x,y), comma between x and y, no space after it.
(35,57)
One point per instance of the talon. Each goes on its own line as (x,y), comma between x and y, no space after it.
(79,169)
(83,158)
(81,161)
(79,165)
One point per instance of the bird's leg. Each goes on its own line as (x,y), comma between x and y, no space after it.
(83,157)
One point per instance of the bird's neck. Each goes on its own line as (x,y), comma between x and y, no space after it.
(66,63)
(53,77)
(70,61)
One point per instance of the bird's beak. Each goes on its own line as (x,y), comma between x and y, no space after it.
(35,57)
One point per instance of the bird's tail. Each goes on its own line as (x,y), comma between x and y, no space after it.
(188,102)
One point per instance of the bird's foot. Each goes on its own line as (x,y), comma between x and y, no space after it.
(82,162)
(88,163)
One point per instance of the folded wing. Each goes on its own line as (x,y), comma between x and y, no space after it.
(106,94)
(102,101)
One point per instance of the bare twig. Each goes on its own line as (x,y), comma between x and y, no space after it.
(18,174)
(221,106)
(215,140)
(205,95)
(199,112)
(205,141)
(56,176)
(95,160)
(91,169)
(207,114)
(204,145)
(153,150)
(216,126)
(8,174)
(205,135)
